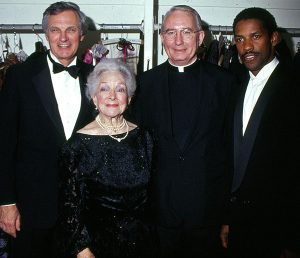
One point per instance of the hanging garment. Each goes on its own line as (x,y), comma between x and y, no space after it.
(228,53)
(296,59)
(213,52)
(283,53)
(127,50)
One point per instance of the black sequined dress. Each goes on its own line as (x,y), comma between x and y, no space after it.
(105,196)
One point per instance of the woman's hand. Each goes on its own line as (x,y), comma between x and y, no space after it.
(85,253)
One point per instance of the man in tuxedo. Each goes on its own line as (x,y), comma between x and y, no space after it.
(42,104)
(184,103)
(263,213)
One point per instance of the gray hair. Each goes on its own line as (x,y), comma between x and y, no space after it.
(110,64)
(184,8)
(59,7)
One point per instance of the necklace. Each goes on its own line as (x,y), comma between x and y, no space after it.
(114,129)
(111,128)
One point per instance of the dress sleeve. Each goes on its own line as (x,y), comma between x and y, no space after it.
(73,234)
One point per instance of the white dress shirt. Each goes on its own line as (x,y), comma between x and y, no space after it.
(255,86)
(68,96)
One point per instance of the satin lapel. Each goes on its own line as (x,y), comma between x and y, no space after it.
(84,106)
(247,143)
(238,136)
(238,122)
(43,84)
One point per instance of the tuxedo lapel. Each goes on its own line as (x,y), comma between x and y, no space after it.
(244,147)
(43,85)
(85,106)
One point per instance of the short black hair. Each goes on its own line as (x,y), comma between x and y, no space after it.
(266,18)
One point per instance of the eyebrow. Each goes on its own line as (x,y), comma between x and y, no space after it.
(184,28)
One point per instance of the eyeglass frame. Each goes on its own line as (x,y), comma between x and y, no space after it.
(181,33)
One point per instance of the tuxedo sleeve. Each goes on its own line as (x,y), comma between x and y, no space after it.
(9,116)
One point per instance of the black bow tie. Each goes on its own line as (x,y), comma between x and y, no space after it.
(57,68)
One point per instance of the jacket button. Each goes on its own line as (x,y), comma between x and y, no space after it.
(181,158)
(246,202)
(233,199)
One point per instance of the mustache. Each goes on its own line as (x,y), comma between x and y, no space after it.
(250,53)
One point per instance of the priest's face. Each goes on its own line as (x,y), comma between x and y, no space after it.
(181,37)
(64,35)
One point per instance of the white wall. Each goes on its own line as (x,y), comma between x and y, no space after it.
(213,12)
(222,12)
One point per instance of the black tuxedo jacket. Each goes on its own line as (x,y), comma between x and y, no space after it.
(31,134)
(266,159)
(189,184)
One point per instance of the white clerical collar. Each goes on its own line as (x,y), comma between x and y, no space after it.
(182,67)
(56,60)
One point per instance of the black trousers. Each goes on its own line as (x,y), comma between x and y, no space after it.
(37,243)
(195,242)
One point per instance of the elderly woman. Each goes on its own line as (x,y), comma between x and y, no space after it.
(106,174)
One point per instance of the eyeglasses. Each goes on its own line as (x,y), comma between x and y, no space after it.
(185,33)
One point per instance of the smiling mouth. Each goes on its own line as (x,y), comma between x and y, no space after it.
(63,46)
(249,57)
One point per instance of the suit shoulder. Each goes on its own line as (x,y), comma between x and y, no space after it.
(85,68)
(30,66)
(155,71)
(216,70)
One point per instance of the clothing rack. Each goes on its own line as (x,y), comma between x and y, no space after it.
(134,28)
(29,28)
(229,29)
(37,28)
(147,27)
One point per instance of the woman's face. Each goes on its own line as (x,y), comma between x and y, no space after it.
(111,97)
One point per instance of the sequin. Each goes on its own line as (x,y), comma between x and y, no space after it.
(104,195)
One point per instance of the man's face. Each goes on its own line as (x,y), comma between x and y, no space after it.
(64,35)
(254,45)
(183,39)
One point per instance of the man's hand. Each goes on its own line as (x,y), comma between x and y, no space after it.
(85,253)
(10,219)
(224,235)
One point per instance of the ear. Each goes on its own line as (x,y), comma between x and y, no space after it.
(275,38)
(47,38)
(82,38)
(162,38)
(129,100)
(95,101)
(201,37)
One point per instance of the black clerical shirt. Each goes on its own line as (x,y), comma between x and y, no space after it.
(182,90)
